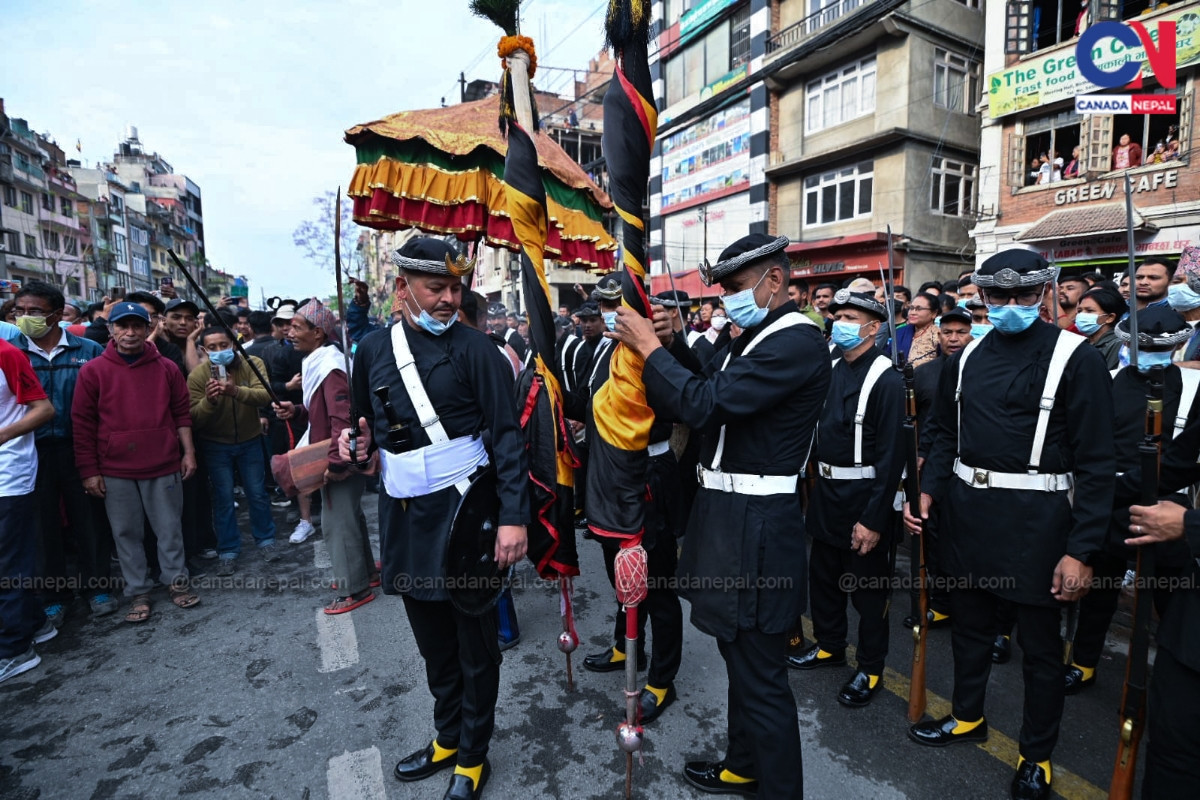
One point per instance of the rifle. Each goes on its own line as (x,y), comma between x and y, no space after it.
(912,492)
(1133,693)
(337,271)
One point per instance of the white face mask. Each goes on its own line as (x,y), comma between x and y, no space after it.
(719,322)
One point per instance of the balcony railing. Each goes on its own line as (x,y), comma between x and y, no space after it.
(799,31)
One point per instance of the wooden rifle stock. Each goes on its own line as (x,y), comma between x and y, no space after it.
(912,493)
(1133,693)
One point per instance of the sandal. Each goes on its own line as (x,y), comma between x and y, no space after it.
(183,598)
(343,604)
(139,610)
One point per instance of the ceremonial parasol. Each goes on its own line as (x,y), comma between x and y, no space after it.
(441,170)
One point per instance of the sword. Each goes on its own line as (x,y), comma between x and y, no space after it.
(1132,271)
(337,271)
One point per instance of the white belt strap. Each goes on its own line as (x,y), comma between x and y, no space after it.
(1036,482)
(879,366)
(738,483)
(1191,382)
(1063,348)
(658,448)
(844,473)
(788,320)
(417,394)
(601,349)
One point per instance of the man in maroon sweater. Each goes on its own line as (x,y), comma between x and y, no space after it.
(133,447)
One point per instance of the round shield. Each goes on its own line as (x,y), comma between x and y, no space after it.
(473,579)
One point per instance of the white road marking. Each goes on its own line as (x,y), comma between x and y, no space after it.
(337,640)
(356,776)
(321,555)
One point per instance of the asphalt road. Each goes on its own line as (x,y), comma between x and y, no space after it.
(255,693)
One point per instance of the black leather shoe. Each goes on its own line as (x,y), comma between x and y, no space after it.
(857,691)
(808,659)
(795,643)
(604,662)
(420,765)
(706,776)
(650,706)
(1075,682)
(1001,649)
(930,621)
(940,732)
(1030,783)
(461,787)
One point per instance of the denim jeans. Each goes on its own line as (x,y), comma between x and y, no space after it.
(248,458)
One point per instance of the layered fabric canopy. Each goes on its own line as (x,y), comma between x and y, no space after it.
(442,171)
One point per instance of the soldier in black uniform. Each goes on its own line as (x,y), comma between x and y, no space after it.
(851,515)
(1161,330)
(470,389)
(1173,753)
(743,559)
(663,524)
(1024,421)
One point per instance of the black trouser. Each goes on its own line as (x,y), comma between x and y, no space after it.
(661,606)
(1173,754)
(827,566)
(939,596)
(972,625)
(462,668)
(1097,607)
(764,736)
(58,480)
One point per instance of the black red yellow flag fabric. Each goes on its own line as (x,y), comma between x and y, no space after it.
(618,459)
(551,460)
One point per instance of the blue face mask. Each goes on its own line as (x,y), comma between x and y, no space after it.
(1087,323)
(979,330)
(610,320)
(962,302)
(743,310)
(846,335)
(432,324)
(222,358)
(1012,318)
(1148,359)
(1182,298)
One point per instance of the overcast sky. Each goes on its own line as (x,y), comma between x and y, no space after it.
(250,100)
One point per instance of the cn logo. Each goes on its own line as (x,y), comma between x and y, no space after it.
(1096,62)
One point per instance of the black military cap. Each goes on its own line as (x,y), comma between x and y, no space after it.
(563,323)
(844,298)
(497,310)
(955,314)
(742,253)
(675,298)
(1159,328)
(588,309)
(433,257)
(1013,269)
(607,288)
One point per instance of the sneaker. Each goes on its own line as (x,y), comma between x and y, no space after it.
(45,633)
(55,613)
(102,604)
(304,530)
(226,567)
(269,552)
(281,501)
(12,667)
(208,553)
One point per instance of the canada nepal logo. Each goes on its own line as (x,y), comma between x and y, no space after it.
(1110,67)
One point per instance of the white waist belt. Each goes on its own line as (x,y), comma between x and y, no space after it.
(658,448)
(432,468)
(986,479)
(844,473)
(759,485)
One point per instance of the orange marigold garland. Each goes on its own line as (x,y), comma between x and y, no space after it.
(511,44)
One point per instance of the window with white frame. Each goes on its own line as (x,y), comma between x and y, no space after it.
(955,82)
(141,265)
(119,247)
(140,236)
(952,190)
(838,195)
(840,95)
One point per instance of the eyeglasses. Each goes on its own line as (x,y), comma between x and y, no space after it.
(1002,297)
(36,314)
(920,308)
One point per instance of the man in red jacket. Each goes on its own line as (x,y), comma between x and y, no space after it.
(133,447)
